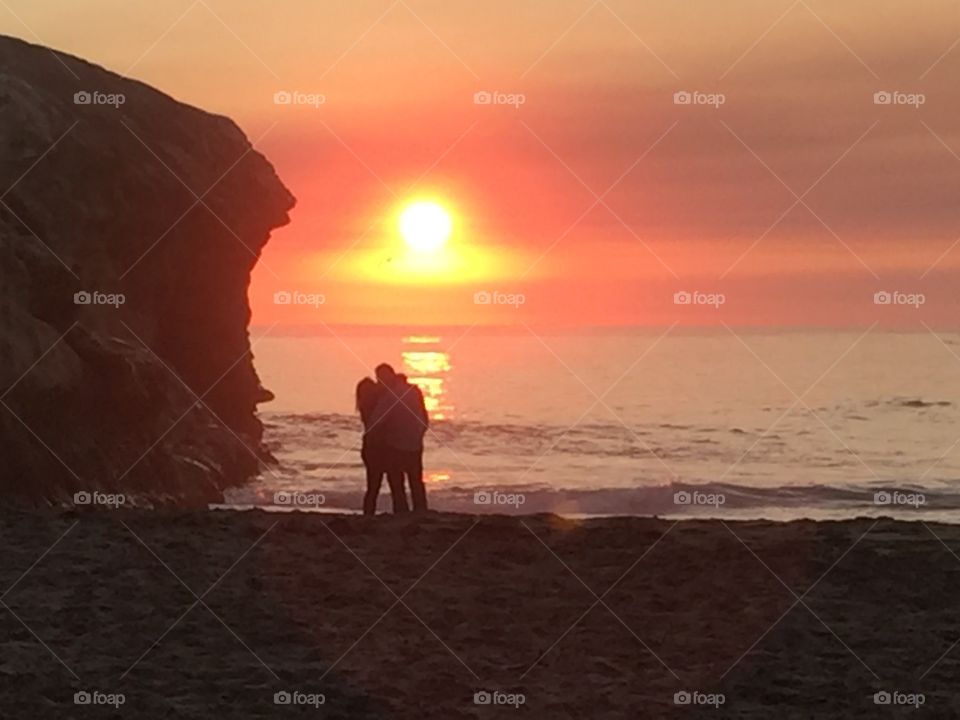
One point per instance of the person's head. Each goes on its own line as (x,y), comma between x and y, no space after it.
(367,394)
(386,374)
(402,379)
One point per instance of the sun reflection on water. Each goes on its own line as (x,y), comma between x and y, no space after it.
(429,368)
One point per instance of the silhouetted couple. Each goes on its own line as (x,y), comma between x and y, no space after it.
(394,422)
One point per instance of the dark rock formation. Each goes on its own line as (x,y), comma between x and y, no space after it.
(108,188)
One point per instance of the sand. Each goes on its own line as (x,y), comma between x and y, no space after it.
(211,614)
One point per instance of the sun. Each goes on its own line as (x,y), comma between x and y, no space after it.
(425,226)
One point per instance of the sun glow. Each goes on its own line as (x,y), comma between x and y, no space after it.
(426,240)
(425,226)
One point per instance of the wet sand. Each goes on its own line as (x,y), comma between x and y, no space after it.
(210,614)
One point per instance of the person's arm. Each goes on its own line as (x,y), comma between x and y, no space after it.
(422,409)
(379,414)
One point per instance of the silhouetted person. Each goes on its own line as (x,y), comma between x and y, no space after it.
(375,453)
(405,423)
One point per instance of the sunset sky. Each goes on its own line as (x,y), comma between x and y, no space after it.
(797,198)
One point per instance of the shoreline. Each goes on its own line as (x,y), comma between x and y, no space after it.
(411,616)
(932,515)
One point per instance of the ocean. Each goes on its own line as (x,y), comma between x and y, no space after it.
(673,423)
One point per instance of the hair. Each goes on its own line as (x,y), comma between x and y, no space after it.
(384,370)
(367,395)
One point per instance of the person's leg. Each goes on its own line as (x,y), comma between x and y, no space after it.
(397,491)
(374,480)
(395,480)
(418,491)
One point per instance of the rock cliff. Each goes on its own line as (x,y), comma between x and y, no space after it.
(129,226)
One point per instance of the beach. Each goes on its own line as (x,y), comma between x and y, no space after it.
(194,615)
(656,311)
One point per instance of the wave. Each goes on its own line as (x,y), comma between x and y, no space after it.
(669,499)
(600,468)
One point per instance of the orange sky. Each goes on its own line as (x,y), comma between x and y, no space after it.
(701,198)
